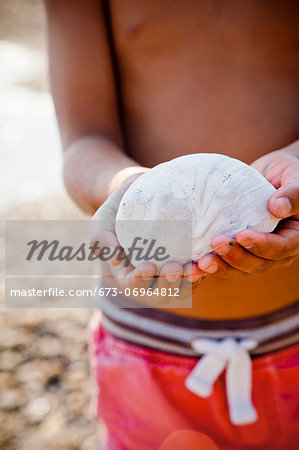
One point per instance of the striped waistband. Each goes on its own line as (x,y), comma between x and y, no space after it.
(171,333)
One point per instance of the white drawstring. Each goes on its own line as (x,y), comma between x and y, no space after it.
(232,355)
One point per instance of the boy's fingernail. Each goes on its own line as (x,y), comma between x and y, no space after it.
(212,269)
(147,278)
(223,249)
(195,278)
(284,206)
(246,243)
(172,277)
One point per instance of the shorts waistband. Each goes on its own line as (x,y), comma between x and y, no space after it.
(167,332)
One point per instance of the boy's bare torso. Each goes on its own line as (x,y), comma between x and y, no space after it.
(206,76)
(210,76)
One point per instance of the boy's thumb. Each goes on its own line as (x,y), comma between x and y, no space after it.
(284,202)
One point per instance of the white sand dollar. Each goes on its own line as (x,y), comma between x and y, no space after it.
(215,193)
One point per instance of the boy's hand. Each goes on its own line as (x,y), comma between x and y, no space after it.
(251,251)
(170,275)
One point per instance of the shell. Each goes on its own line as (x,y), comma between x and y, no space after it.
(184,203)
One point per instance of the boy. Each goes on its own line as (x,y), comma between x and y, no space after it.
(138,83)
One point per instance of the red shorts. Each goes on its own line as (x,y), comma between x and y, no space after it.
(142,398)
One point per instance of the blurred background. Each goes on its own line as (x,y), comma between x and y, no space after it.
(45,386)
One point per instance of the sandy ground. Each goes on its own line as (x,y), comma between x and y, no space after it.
(46,390)
(45,397)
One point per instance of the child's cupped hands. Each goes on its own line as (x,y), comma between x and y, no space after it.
(251,251)
(146,275)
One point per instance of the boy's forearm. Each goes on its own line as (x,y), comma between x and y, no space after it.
(94,167)
(292,149)
(262,163)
